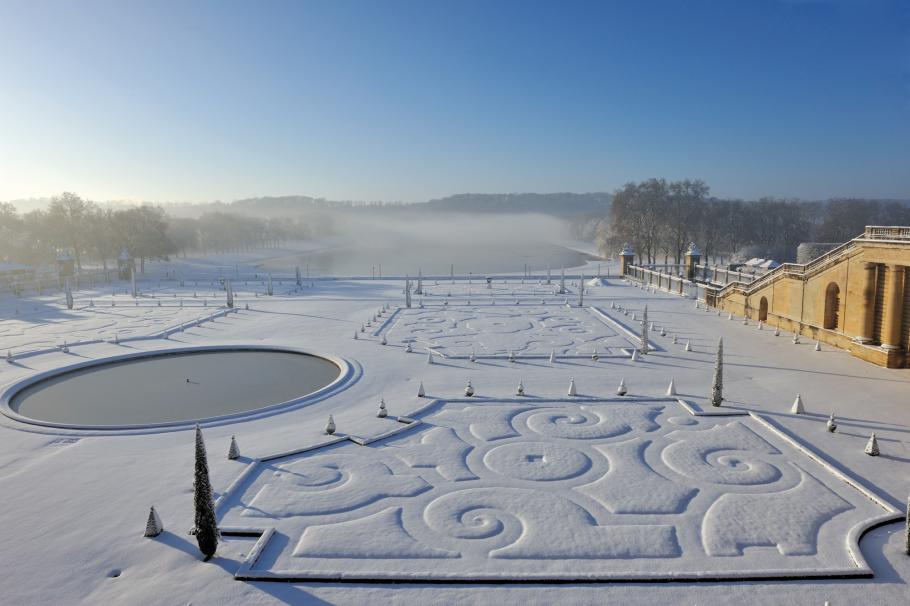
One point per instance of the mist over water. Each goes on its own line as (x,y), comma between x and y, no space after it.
(434,242)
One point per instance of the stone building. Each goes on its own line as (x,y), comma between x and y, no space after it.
(856,297)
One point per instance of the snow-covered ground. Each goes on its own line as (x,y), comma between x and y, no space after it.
(500,487)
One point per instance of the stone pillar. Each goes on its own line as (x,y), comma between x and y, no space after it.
(693,256)
(867,312)
(893,309)
(626,258)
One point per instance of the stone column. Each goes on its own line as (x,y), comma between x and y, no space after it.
(626,258)
(867,311)
(893,310)
(693,256)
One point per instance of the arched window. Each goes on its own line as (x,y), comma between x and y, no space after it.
(832,306)
(763,310)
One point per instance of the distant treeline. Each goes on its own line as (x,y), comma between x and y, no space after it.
(94,234)
(557,204)
(659,218)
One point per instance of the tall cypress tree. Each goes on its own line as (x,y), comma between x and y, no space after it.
(206,528)
(644,332)
(717,385)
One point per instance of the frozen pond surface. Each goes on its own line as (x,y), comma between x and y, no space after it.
(174,387)
(433,259)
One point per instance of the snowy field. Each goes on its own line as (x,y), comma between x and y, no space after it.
(591,491)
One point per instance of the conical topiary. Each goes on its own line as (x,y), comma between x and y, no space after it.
(233,449)
(153,526)
(469,389)
(621,390)
(634,357)
(552,356)
(520,390)
(572,390)
(330,426)
(382,413)
(671,388)
(206,524)
(831,425)
(420,392)
(797,407)
(872,446)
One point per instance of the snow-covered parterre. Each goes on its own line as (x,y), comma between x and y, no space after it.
(561,490)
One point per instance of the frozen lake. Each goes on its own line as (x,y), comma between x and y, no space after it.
(432,258)
(174,387)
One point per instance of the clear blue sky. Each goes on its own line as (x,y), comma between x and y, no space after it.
(378,100)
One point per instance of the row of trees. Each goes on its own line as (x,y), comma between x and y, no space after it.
(660,218)
(97,235)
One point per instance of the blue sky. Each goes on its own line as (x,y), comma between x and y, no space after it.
(409,100)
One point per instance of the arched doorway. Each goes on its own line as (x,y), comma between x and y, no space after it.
(763,310)
(832,306)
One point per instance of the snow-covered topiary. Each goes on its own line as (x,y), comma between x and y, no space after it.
(552,356)
(818,346)
(717,382)
(473,357)
(621,390)
(429,357)
(355,334)
(675,340)
(761,325)
(671,388)
(634,357)
(872,446)
(233,449)
(594,355)
(511,356)
(688,346)
(831,425)
(520,390)
(469,389)
(384,341)
(330,426)
(153,526)
(777,331)
(206,524)
(797,407)
(382,413)
(907,536)
(795,338)
(420,391)
(408,347)
(572,390)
